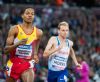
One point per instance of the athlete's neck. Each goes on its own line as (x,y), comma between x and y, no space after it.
(27,25)
(62,38)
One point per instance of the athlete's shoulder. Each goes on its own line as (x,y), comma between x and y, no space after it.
(39,32)
(70,42)
(13,28)
(53,38)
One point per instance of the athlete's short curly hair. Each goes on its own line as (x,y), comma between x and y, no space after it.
(24,9)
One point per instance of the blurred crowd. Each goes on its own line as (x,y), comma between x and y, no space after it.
(87,3)
(84,32)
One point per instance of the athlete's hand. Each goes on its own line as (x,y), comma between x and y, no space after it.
(32,63)
(22,42)
(79,66)
(36,58)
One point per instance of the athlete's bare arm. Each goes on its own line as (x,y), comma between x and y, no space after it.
(50,48)
(39,35)
(72,53)
(10,40)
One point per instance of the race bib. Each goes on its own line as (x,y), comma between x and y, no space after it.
(24,51)
(59,63)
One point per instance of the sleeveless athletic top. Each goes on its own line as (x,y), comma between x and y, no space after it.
(58,60)
(25,51)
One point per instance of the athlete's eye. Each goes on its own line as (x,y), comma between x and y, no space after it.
(27,13)
(65,30)
(32,14)
(62,30)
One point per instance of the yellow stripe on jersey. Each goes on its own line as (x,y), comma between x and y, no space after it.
(9,63)
(21,35)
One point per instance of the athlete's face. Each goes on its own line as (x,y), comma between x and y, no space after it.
(28,15)
(63,31)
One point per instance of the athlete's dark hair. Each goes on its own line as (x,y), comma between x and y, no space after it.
(23,10)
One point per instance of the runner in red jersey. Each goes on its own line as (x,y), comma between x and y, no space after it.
(22,43)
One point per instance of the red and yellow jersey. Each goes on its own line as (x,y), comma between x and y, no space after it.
(25,51)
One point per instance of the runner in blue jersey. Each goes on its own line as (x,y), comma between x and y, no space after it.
(58,49)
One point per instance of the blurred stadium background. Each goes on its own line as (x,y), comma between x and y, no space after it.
(83,17)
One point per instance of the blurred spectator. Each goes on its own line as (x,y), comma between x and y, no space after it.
(82,75)
(59,2)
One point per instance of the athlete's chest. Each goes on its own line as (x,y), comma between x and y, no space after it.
(28,31)
(22,35)
(65,49)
